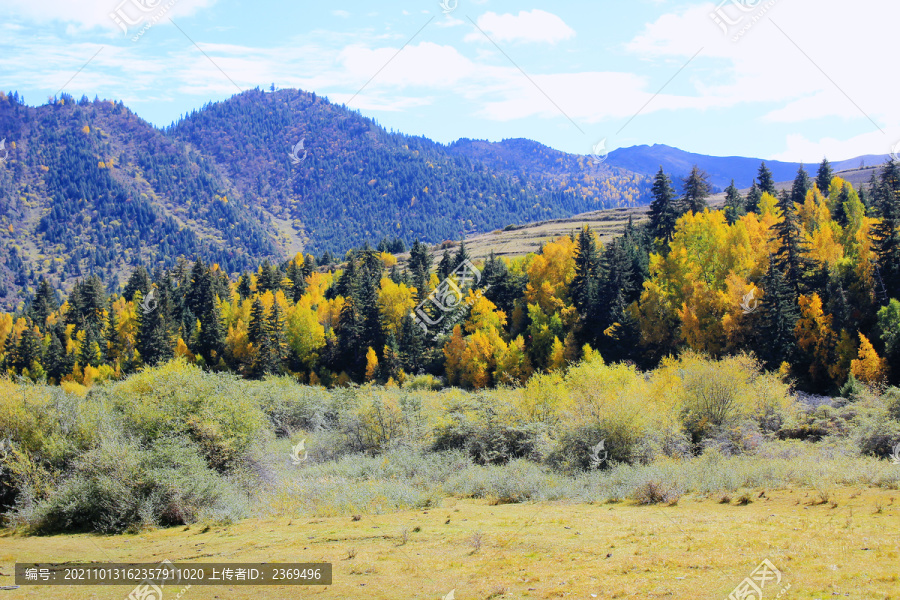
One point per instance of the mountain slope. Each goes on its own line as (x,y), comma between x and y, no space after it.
(90,187)
(360,183)
(722,169)
(613,187)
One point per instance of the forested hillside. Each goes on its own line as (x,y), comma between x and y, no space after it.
(360,183)
(807,280)
(87,187)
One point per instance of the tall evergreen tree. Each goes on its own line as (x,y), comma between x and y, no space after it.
(766,181)
(420,261)
(256,329)
(824,177)
(45,302)
(412,346)
(243,286)
(802,184)
(887,232)
(461,255)
(779,315)
(583,288)
(58,363)
(734,204)
(275,345)
(211,338)
(138,281)
(446,266)
(792,257)
(664,207)
(753,198)
(153,339)
(696,190)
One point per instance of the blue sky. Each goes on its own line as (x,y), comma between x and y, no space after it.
(777,79)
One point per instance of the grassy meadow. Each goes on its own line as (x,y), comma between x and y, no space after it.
(600,481)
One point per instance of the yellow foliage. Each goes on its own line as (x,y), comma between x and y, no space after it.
(557,356)
(387,259)
(868,367)
(182,351)
(817,339)
(371,364)
(549,275)
(483,314)
(395,301)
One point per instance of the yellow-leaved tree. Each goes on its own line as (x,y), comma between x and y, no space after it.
(869,367)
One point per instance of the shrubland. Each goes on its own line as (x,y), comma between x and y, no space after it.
(177,444)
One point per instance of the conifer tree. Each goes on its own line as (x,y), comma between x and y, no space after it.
(461,255)
(779,314)
(696,190)
(275,344)
(753,198)
(44,304)
(153,340)
(802,184)
(583,288)
(412,346)
(886,233)
(824,177)
(420,268)
(58,363)
(766,181)
(28,351)
(243,286)
(664,210)
(445,267)
(734,204)
(256,329)
(138,281)
(792,257)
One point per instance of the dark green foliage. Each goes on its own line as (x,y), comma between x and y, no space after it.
(446,266)
(779,314)
(139,281)
(802,184)
(696,190)
(664,209)
(824,177)
(792,258)
(753,198)
(887,232)
(420,262)
(154,342)
(766,181)
(734,204)
(45,302)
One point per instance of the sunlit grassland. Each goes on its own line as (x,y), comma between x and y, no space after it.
(701,547)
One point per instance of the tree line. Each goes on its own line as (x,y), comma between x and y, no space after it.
(807,278)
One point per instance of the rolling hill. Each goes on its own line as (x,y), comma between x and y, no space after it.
(90,187)
(677,163)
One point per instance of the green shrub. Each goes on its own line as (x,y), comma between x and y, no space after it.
(574,448)
(216,411)
(119,485)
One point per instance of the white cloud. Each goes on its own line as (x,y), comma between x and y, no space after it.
(799,148)
(340,13)
(811,61)
(528,26)
(88,14)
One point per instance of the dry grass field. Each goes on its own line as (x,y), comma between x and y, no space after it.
(844,545)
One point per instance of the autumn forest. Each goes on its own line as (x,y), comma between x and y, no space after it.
(808,280)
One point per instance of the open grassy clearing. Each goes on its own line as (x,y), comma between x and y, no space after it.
(702,547)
